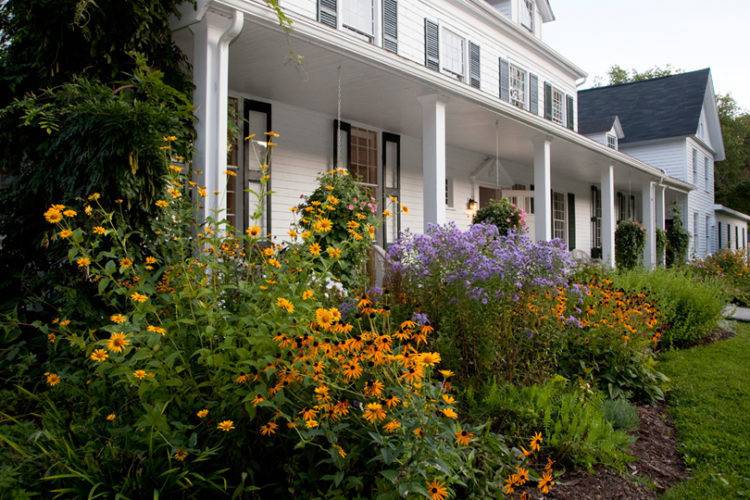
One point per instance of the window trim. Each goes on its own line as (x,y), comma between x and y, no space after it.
(562,105)
(523,102)
(443,52)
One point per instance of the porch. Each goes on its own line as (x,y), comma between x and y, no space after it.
(436,143)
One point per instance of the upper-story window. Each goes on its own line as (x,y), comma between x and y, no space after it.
(695,166)
(452,56)
(527,14)
(558,108)
(612,141)
(517,87)
(706,170)
(358,16)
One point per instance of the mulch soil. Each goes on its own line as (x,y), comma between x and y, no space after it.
(657,466)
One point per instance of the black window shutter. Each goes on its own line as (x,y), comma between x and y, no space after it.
(719,224)
(547,101)
(533,93)
(571,111)
(571,221)
(390,25)
(327,12)
(431,45)
(474,65)
(504,80)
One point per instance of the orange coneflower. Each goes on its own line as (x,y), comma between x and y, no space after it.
(437,490)
(463,438)
(374,412)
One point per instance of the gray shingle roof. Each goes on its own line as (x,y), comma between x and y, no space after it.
(649,109)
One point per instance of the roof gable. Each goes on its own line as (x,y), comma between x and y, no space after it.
(650,109)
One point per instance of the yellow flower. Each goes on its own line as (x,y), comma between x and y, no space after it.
(52,379)
(314,249)
(118,318)
(333,252)
(83,261)
(94,196)
(449,399)
(437,490)
(284,304)
(151,260)
(275,263)
(463,438)
(176,169)
(258,399)
(53,215)
(157,329)
(404,209)
(253,231)
(447,373)
(169,138)
(271,133)
(65,233)
(161,203)
(387,213)
(230,173)
(138,297)
(180,455)
(292,234)
(534,444)
(70,213)
(99,230)
(202,191)
(111,417)
(392,426)
(308,294)
(269,429)
(322,225)
(226,425)
(126,262)
(341,451)
(430,358)
(374,412)
(141,374)
(450,413)
(311,424)
(117,342)
(371,231)
(202,413)
(174,193)
(88,210)
(99,355)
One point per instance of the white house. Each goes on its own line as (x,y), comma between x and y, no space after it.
(731,228)
(443,103)
(673,124)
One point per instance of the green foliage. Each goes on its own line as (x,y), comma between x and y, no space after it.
(732,175)
(710,403)
(572,421)
(621,414)
(690,308)
(732,268)
(678,240)
(630,239)
(661,246)
(618,75)
(339,211)
(502,214)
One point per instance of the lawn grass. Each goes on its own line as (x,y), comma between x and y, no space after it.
(710,404)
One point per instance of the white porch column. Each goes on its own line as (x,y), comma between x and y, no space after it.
(608,216)
(433,159)
(542,190)
(211,38)
(660,209)
(649,224)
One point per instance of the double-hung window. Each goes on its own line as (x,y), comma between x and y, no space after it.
(558,108)
(358,16)
(517,87)
(527,15)
(453,53)
(708,233)
(706,172)
(559,216)
(695,167)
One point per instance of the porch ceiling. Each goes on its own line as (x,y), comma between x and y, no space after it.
(373,94)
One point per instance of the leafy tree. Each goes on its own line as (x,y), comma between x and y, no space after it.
(732,176)
(618,75)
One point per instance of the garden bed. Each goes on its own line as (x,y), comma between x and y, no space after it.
(658,466)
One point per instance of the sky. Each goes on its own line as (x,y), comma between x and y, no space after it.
(640,34)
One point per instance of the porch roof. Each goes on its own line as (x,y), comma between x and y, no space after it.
(382,89)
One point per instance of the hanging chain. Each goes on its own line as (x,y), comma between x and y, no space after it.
(497,153)
(338,120)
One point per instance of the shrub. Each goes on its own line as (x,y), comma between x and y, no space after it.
(630,238)
(621,414)
(678,240)
(690,308)
(732,268)
(661,246)
(217,364)
(475,284)
(574,421)
(503,215)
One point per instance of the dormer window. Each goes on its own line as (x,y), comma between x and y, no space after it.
(612,141)
(527,14)
(517,87)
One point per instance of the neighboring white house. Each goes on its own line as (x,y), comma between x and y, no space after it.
(731,229)
(443,103)
(673,124)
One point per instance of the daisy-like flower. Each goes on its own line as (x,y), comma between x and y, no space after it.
(161,203)
(151,260)
(111,417)
(314,249)
(202,413)
(94,196)
(340,451)
(352,370)
(258,399)
(333,252)
(392,426)
(311,424)
(117,342)
(322,225)
(180,455)
(269,429)
(53,215)
(437,490)
(308,294)
(83,262)
(52,379)
(253,231)
(156,329)
(99,230)
(392,402)
(70,213)
(141,374)
(138,297)
(285,304)
(448,399)
(545,483)
(374,412)
(447,373)
(534,444)
(65,233)
(126,262)
(118,318)
(463,438)
(99,355)
(225,425)
(450,413)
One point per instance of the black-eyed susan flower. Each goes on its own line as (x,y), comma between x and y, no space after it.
(392,426)
(450,413)
(374,412)
(180,455)
(437,490)
(535,442)
(269,429)
(253,231)
(225,425)
(463,438)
